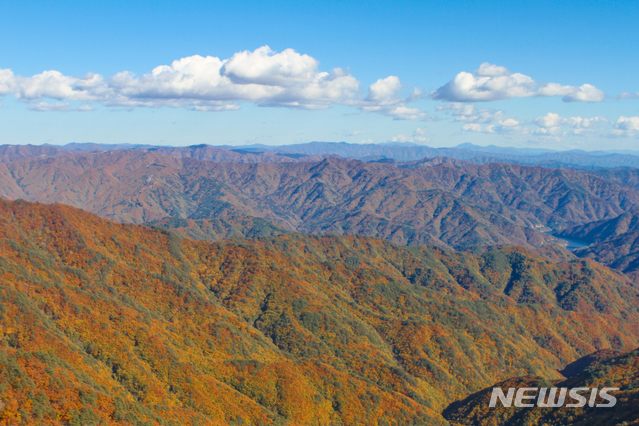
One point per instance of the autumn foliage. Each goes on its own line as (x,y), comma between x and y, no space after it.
(107,323)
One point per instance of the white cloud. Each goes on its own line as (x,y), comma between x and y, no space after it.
(472,127)
(625,127)
(550,120)
(264,67)
(492,83)
(586,123)
(6,81)
(418,135)
(469,114)
(479,120)
(624,95)
(551,124)
(507,127)
(385,91)
(264,77)
(402,112)
(57,106)
(549,131)
(354,133)
(214,106)
(556,125)
(47,107)
(384,97)
(509,122)
(55,85)
(489,70)
(628,123)
(583,93)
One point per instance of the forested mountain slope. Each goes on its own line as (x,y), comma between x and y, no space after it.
(114,323)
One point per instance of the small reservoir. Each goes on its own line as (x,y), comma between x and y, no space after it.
(571,245)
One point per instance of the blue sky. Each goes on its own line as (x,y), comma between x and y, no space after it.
(375,71)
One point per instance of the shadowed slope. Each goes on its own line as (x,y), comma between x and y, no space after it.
(613,242)
(619,372)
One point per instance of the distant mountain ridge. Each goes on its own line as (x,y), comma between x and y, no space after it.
(468,152)
(374,152)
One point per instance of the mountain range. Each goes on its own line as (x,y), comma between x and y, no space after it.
(401,152)
(449,203)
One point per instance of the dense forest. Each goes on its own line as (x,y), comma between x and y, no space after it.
(109,323)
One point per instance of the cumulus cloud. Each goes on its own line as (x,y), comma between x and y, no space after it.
(507,127)
(384,97)
(549,131)
(385,91)
(625,127)
(552,120)
(6,81)
(480,120)
(628,123)
(52,84)
(583,93)
(418,136)
(493,83)
(551,124)
(264,67)
(470,114)
(264,77)
(556,125)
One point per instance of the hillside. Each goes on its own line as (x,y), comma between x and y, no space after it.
(220,229)
(119,324)
(458,205)
(620,371)
(613,242)
(622,175)
(605,230)
(9,153)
